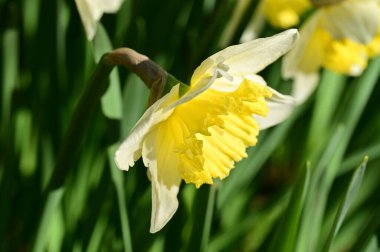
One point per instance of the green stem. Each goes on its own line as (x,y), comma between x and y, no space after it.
(153,76)
(328,96)
(96,86)
(208,219)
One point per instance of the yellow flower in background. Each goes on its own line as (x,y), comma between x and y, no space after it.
(339,36)
(284,13)
(200,135)
(91,11)
(281,14)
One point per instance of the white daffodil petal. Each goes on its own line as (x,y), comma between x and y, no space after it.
(162,166)
(280,108)
(164,203)
(111,6)
(254,56)
(130,150)
(250,57)
(91,11)
(225,85)
(292,60)
(89,14)
(304,85)
(355,20)
(256,79)
(199,87)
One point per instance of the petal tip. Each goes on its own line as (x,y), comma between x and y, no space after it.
(294,34)
(161,219)
(123,162)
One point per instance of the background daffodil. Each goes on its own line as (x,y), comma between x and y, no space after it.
(284,13)
(200,135)
(281,14)
(91,11)
(339,36)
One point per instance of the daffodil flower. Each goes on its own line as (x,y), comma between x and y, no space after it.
(199,135)
(91,11)
(340,36)
(284,13)
(281,14)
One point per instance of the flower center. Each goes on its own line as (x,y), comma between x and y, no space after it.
(216,128)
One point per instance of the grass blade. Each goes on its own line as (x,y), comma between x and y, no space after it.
(52,203)
(317,195)
(328,93)
(111,100)
(368,231)
(10,73)
(372,151)
(286,235)
(351,192)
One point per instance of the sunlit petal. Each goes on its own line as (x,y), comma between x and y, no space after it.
(250,57)
(354,20)
(130,150)
(164,175)
(91,11)
(304,85)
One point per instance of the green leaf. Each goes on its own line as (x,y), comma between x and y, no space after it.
(287,233)
(351,192)
(111,100)
(198,211)
(368,230)
(26,142)
(99,229)
(31,11)
(259,223)
(328,95)
(317,195)
(51,206)
(135,100)
(372,151)
(10,74)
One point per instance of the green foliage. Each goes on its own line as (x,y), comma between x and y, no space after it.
(60,189)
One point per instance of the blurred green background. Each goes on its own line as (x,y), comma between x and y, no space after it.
(304,187)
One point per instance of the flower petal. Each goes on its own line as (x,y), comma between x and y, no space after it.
(280,108)
(354,20)
(305,56)
(304,85)
(130,150)
(159,156)
(111,6)
(91,11)
(250,57)
(224,85)
(202,85)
